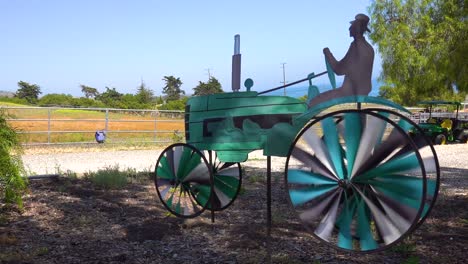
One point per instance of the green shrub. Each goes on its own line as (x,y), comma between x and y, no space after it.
(109,178)
(14,100)
(177,137)
(412,260)
(12,184)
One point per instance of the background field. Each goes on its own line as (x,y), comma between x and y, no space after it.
(69,125)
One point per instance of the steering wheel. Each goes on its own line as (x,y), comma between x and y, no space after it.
(331,74)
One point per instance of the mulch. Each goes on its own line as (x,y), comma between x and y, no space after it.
(71,221)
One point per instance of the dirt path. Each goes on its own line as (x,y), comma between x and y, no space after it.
(84,160)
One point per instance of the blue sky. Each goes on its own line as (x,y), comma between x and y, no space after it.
(62,44)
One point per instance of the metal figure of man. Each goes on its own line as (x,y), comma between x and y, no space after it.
(356,64)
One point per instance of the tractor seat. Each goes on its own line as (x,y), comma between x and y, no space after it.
(431,120)
(447,123)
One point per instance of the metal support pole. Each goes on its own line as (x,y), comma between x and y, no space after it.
(212,186)
(268,209)
(269,195)
(48,126)
(155,128)
(284,78)
(107,121)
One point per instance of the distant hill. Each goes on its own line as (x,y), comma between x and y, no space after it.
(301,90)
(7,94)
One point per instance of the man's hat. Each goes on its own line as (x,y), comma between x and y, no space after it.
(363,19)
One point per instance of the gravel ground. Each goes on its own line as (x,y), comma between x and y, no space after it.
(81,162)
(69,220)
(450,157)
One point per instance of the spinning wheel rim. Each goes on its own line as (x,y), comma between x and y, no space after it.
(427,140)
(223,175)
(184,169)
(327,192)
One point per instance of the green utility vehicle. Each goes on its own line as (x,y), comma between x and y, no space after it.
(443,128)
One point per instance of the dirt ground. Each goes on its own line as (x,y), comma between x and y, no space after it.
(70,221)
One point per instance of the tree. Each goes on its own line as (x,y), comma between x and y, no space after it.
(144,94)
(12,184)
(175,104)
(110,97)
(213,86)
(172,88)
(88,91)
(57,100)
(130,101)
(159,100)
(424,48)
(30,92)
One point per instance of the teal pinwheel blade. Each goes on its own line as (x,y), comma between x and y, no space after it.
(321,155)
(296,176)
(352,135)
(399,165)
(227,185)
(164,170)
(313,211)
(332,142)
(201,194)
(370,138)
(344,224)
(312,162)
(194,160)
(366,239)
(301,196)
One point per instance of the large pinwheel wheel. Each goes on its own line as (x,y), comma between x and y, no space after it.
(357,180)
(188,183)
(227,181)
(428,154)
(183,180)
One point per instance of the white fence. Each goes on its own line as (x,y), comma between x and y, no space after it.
(423,117)
(55,125)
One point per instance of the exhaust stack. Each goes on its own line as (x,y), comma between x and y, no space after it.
(236,65)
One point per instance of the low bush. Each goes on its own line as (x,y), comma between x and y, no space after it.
(109,178)
(12,184)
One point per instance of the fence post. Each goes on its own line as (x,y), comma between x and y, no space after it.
(155,127)
(107,121)
(48,125)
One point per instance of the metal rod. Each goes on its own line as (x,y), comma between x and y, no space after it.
(212,185)
(269,195)
(155,128)
(48,126)
(107,120)
(293,83)
(284,78)
(268,209)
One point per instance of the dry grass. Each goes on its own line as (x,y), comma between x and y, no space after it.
(85,122)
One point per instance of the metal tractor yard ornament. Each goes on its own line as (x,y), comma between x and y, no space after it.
(356,178)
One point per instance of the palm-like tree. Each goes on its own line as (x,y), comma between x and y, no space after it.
(172,88)
(89,92)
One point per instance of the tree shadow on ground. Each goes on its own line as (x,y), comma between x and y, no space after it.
(71,221)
